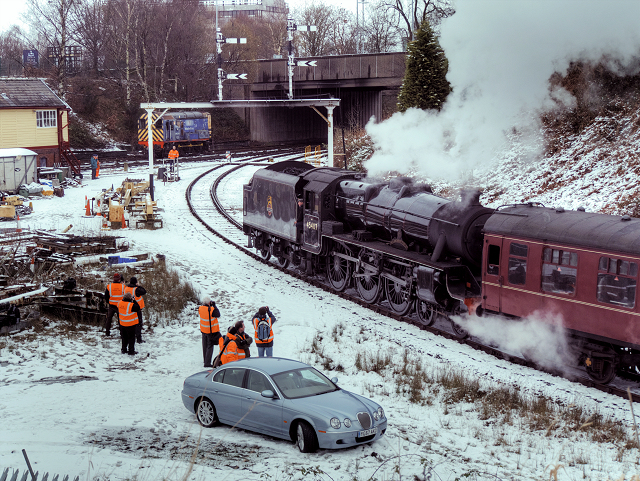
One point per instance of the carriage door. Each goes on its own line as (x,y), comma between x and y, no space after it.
(492,278)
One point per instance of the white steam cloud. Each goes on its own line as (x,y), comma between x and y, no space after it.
(501,54)
(539,337)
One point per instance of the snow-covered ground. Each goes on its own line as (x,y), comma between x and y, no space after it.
(79,407)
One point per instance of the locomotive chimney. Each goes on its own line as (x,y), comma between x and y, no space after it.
(470,197)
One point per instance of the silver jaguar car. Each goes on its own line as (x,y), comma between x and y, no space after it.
(285,399)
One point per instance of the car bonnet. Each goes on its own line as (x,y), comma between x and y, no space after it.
(339,403)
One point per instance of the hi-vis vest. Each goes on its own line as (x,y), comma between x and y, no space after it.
(208,324)
(132,290)
(126,314)
(256,321)
(173,154)
(116,291)
(231,353)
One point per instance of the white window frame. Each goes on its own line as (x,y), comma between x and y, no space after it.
(46,119)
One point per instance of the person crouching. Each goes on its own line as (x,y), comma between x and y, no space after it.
(128,310)
(229,347)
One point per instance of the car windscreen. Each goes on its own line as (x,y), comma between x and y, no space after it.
(303,382)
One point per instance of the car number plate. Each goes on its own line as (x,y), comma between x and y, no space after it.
(367,432)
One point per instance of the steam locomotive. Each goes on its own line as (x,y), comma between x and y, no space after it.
(397,241)
(188,131)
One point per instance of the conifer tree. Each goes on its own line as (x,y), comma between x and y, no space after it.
(425,84)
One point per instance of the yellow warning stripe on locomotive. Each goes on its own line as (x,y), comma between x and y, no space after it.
(143,130)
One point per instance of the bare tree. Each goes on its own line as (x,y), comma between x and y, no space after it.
(11,46)
(90,31)
(51,20)
(314,44)
(411,13)
(274,30)
(380,31)
(342,34)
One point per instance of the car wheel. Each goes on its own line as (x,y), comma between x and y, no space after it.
(206,413)
(305,438)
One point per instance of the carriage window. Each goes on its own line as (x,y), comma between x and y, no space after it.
(617,282)
(493,260)
(556,276)
(517,265)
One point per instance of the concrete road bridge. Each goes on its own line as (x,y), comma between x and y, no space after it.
(366,84)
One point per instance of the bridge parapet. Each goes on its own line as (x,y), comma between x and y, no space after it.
(382,69)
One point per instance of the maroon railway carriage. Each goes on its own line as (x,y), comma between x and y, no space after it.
(582,266)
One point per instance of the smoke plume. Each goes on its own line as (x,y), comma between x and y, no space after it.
(501,55)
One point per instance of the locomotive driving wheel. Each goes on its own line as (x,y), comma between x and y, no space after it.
(339,268)
(368,286)
(426,312)
(398,295)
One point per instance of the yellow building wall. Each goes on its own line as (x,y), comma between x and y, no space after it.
(18,129)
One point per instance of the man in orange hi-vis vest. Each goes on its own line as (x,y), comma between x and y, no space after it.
(128,311)
(112,295)
(209,328)
(137,292)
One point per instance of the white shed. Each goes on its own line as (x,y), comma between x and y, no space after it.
(17,167)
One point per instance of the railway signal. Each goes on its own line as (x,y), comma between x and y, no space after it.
(292,27)
(220,40)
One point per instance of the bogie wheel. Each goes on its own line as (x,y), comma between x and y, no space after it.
(265,253)
(339,269)
(283,261)
(369,286)
(305,438)
(426,312)
(206,413)
(601,370)
(398,296)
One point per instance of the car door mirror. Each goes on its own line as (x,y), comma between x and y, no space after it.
(334,380)
(268,393)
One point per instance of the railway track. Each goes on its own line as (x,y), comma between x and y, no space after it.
(233,235)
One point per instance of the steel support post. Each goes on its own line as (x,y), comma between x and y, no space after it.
(330,140)
(150,149)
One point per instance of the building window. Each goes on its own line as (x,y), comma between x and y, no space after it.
(559,271)
(617,282)
(517,264)
(46,118)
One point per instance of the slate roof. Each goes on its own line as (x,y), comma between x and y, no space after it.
(33,93)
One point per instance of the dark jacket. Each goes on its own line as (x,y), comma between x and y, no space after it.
(140,291)
(244,341)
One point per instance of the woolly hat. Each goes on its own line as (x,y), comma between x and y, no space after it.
(133,281)
(262,311)
(117,277)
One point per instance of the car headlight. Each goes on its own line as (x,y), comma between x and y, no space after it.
(335,423)
(347,422)
(376,415)
(381,412)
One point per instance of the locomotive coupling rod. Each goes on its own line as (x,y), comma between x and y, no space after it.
(344,256)
(368,268)
(395,279)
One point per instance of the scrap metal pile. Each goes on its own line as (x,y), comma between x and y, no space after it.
(132,197)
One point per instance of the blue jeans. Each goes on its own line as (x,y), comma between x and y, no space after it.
(261,351)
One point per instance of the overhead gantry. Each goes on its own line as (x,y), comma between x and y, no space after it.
(329,104)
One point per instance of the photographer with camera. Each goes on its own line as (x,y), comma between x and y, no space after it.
(209,314)
(263,322)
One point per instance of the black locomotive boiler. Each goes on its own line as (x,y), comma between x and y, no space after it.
(395,240)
